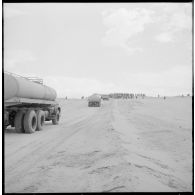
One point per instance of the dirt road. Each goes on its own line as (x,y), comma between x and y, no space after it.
(124,145)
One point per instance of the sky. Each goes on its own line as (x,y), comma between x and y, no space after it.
(84,48)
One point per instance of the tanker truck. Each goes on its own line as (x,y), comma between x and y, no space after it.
(94,100)
(28,104)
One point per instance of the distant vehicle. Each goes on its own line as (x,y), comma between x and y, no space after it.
(94,100)
(28,103)
(105,97)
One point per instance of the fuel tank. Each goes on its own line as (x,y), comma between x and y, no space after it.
(24,88)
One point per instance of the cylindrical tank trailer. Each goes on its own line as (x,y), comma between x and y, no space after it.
(24,88)
(28,104)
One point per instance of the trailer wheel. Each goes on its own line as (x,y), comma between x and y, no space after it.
(30,121)
(40,120)
(18,122)
(57,118)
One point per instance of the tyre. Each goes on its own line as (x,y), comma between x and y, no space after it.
(40,120)
(57,118)
(19,122)
(30,121)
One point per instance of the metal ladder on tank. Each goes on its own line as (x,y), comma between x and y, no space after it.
(33,79)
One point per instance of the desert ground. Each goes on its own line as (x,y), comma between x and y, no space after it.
(130,145)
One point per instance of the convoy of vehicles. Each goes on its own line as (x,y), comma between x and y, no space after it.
(28,103)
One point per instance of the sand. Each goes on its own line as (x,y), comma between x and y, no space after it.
(137,145)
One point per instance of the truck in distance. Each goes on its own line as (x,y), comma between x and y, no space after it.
(28,104)
(94,100)
(105,97)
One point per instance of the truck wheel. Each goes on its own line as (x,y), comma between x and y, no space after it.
(18,122)
(40,120)
(56,120)
(30,121)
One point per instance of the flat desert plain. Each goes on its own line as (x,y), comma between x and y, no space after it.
(133,145)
